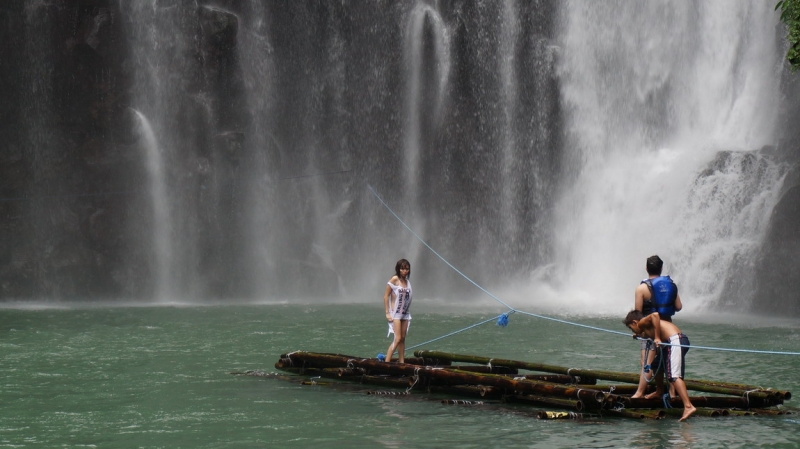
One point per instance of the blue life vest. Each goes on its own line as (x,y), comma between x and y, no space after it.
(662,296)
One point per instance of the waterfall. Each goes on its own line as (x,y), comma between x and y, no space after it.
(544,148)
(667,108)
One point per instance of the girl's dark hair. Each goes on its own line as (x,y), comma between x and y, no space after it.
(400,264)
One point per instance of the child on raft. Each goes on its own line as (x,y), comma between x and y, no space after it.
(672,352)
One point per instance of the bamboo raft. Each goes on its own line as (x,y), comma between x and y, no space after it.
(575,393)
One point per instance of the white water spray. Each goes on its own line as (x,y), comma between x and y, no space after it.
(162,243)
(413,46)
(654,93)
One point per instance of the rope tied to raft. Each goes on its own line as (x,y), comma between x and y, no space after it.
(746,395)
(350,363)
(416,379)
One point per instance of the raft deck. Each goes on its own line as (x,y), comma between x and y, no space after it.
(575,391)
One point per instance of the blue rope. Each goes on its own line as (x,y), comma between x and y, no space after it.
(454,332)
(502,319)
(434,251)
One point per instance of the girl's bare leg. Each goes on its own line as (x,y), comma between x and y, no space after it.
(399,342)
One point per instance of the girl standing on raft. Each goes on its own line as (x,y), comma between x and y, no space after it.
(396,301)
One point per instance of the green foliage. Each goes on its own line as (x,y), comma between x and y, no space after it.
(790,15)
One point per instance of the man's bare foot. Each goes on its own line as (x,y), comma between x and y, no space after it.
(652,395)
(687,412)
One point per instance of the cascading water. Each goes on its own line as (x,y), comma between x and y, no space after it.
(425,52)
(667,106)
(160,230)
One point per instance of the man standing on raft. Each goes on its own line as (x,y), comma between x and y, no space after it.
(396,302)
(655,294)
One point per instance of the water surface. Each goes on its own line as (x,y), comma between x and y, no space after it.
(159,376)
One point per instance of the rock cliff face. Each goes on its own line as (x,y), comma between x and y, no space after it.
(75,208)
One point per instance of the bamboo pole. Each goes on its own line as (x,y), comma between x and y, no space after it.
(772,412)
(617,389)
(484,369)
(782,394)
(475,391)
(530,399)
(734,412)
(701,411)
(698,401)
(585,382)
(636,413)
(426,361)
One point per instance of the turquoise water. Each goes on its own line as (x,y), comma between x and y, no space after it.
(159,377)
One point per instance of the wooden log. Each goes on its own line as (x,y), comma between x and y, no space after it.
(345,372)
(701,411)
(734,412)
(544,414)
(426,361)
(460,402)
(484,369)
(597,374)
(782,394)
(586,382)
(635,413)
(454,377)
(387,393)
(772,411)
(530,399)
(474,391)
(618,389)
(333,373)
(698,401)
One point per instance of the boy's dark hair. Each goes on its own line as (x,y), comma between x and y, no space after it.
(402,263)
(654,265)
(633,315)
